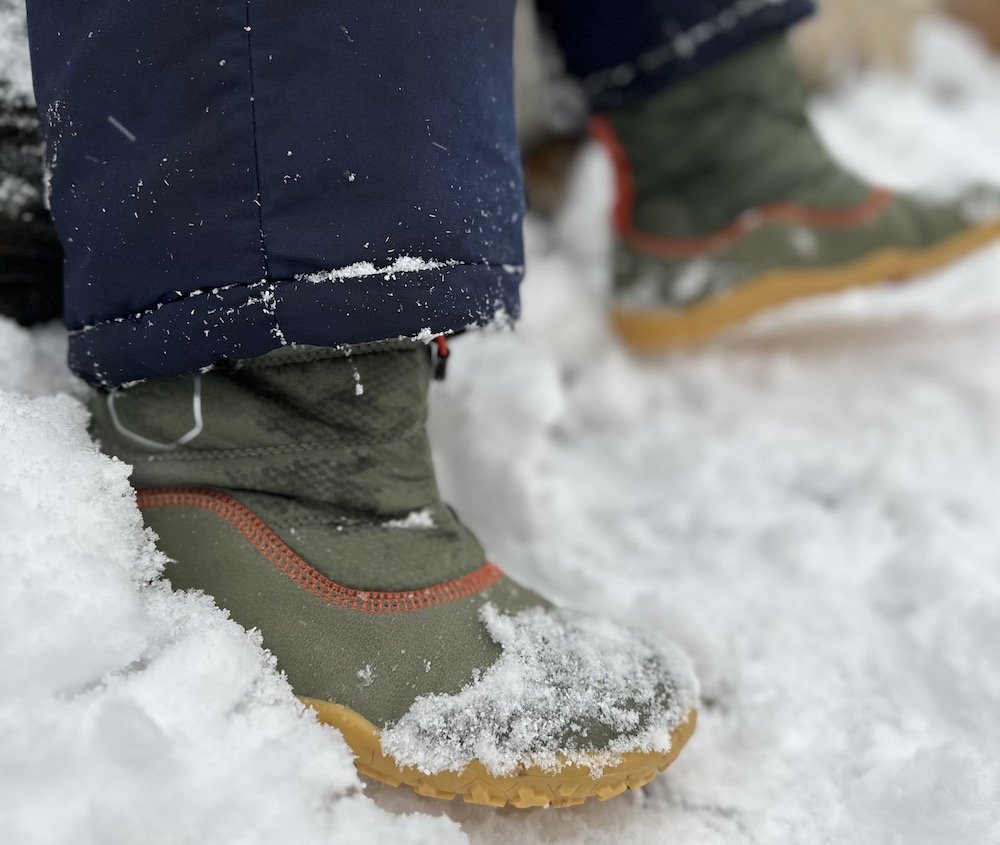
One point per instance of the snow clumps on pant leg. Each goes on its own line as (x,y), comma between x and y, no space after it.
(567,690)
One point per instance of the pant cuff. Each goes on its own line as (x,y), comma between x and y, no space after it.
(359,304)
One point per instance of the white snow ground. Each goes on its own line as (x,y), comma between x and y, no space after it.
(810,507)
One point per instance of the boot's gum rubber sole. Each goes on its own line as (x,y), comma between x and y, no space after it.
(655,330)
(532,787)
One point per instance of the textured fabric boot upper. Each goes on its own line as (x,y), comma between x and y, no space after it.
(298,490)
(328,448)
(722,179)
(732,138)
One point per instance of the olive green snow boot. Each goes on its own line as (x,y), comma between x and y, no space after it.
(728,203)
(298,490)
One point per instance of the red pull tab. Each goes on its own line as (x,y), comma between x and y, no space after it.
(441,366)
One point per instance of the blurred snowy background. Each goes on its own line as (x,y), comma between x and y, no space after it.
(810,506)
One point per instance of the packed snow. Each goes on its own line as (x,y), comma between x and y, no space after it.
(130,713)
(808,507)
(560,676)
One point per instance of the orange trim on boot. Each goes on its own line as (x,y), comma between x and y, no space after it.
(751,220)
(285,559)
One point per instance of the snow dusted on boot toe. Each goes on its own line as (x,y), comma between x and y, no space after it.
(561,675)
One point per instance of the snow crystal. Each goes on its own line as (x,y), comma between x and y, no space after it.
(804,241)
(560,674)
(421,519)
(693,280)
(117,124)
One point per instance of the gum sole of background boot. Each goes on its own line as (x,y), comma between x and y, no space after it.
(656,330)
(531,787)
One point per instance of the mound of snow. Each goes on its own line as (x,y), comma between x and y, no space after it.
(131,713)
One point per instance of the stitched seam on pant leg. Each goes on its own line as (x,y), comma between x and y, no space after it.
(677,47)
(256,159)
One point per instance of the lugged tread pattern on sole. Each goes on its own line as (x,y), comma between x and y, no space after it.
(532,787)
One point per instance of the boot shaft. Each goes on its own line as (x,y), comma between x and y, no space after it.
(724,141)
(342,429)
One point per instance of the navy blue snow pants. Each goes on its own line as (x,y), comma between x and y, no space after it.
(229,177)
